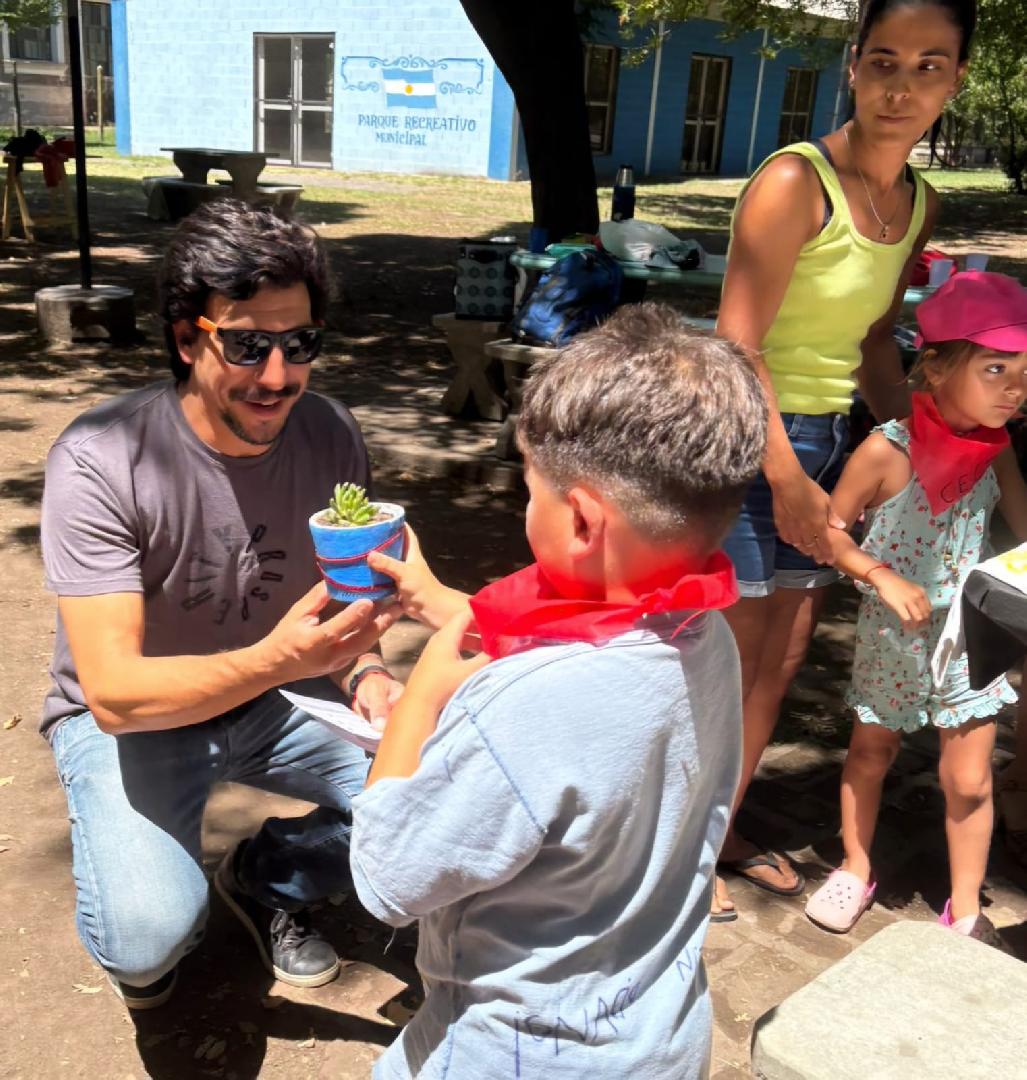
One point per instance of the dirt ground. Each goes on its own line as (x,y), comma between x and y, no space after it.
(228,1019)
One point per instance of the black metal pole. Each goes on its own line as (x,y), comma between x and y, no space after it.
(78,119)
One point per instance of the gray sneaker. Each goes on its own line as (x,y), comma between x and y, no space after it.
(290,948)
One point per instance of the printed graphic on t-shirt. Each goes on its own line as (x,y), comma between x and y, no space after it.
(241,559)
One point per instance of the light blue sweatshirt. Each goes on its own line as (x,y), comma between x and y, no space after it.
(558,842)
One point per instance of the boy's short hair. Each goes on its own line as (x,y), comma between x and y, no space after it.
(668,422)
(229,247)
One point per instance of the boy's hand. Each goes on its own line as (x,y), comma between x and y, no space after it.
(421,594)
(441,670)
(907,600)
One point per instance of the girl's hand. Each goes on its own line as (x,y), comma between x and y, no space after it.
(906,599)
(421,595)
(441,670)
(803,516)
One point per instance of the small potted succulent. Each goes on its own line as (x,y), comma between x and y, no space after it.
(346,532)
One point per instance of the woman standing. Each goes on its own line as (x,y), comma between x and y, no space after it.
(823,243)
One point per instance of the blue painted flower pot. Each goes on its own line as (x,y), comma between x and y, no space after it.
(342,551)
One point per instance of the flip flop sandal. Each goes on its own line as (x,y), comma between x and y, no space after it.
(765,858)
(839,902)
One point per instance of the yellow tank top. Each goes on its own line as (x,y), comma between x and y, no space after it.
(841,285)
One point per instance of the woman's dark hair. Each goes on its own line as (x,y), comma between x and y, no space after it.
(962,14)
(234,249)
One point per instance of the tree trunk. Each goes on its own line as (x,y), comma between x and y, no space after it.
(537,46)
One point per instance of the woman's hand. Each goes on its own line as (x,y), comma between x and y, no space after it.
(907,599)
(803,516)
(421,595)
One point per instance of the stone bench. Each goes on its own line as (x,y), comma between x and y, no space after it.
(170,198)
(516,360)
(477,386)
(915,1002)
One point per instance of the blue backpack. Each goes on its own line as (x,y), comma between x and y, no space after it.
(576,293)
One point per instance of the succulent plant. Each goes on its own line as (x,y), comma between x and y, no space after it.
(350,506)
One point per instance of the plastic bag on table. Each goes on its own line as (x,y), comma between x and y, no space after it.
(646,242)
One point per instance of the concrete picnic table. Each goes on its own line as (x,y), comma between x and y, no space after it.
(243,166)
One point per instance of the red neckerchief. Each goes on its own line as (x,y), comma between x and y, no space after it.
(523,610)
(946,464)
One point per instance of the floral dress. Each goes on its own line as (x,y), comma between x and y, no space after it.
(891,671)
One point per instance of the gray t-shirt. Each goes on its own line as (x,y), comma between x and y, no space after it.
(557,843)
(219,546)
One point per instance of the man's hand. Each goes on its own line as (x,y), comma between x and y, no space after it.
(302,646)
(421,594)
(376,694)
(803,516)
(905,598)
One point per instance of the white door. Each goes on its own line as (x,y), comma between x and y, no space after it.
(293,93)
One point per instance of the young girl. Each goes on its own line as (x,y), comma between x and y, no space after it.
(927,487)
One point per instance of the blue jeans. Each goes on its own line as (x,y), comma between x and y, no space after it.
(762,560)
(136,803)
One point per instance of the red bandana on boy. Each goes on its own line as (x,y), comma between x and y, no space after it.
(523,610)
(946,464)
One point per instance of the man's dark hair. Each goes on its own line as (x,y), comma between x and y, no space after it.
(668,422)
(229,247)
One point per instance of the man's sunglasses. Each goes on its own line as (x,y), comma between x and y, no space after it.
(247,348)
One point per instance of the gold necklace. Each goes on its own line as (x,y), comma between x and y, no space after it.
(885,225)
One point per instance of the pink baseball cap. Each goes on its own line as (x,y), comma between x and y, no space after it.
(989,309)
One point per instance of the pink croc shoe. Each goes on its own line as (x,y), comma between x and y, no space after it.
(840,901)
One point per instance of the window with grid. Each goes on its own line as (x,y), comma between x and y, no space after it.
(797,109)
(601,64)
(31,44)
(95,24)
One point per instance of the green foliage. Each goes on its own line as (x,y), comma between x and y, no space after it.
(994,99)
(350,506)
(29,14)
(790,24)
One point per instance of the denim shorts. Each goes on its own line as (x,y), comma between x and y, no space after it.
(763,561)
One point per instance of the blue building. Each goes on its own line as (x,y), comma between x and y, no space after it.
(362,85)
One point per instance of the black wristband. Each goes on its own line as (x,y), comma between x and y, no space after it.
(357,677)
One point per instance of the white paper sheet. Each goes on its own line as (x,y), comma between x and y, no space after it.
(340,718)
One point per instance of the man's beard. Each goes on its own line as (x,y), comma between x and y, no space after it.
(239,431)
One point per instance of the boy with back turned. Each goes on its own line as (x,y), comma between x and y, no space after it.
(551,810)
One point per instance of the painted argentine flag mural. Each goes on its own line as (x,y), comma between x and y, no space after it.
(409,88)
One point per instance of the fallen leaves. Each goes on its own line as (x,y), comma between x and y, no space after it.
(5,780)
(82,988)
(13,722)
(308,1044)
